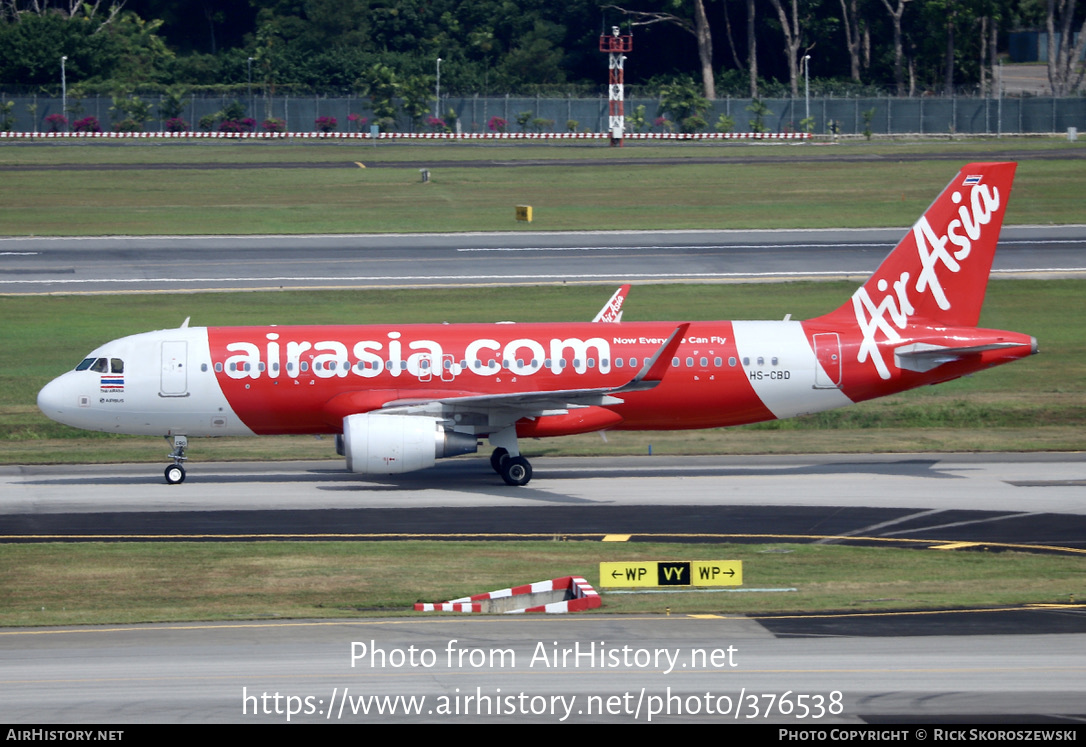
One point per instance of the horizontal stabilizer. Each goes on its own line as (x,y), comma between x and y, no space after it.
(922,356)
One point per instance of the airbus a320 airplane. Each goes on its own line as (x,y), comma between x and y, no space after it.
(401,396)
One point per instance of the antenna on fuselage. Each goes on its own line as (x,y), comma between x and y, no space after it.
(185,324)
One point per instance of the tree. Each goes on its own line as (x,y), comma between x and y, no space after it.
(793,40)
(760,111)
(752,50)
(66,9)
(896,11)
(851,18)
(698,27)
(686,106)
(1063,55)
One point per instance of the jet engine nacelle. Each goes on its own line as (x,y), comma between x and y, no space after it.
(391,444)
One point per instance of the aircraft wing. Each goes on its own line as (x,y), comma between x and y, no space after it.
(518,405)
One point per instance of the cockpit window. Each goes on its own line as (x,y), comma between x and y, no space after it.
(101,365)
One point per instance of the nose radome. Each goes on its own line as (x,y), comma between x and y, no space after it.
(51,399)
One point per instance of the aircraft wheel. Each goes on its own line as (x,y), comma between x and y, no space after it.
(175,474)
(516,471)
(497,458)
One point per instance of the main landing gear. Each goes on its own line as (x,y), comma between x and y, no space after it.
(175,473)
(515,470)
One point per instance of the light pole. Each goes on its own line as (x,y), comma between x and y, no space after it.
(807,86)
(437,91)
(999,99)
(63,89)
(249,72)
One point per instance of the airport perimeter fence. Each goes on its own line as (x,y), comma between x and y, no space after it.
(474,114)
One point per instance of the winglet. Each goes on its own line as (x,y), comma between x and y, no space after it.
(653,371)
(612,310)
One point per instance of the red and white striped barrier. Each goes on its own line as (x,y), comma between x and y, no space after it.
(190,135)
(584,598)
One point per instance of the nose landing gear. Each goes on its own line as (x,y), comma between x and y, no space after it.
(175,473)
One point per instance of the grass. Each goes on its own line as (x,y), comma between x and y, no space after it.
(94,583)
(656,196)
(61,153)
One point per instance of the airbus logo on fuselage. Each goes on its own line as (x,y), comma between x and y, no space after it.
(523,356)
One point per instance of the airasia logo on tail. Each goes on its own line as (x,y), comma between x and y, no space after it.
(936,253)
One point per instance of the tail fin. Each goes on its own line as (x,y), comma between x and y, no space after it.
(612,310)
(939,272)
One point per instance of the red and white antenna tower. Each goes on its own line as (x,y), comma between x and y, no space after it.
(614,45)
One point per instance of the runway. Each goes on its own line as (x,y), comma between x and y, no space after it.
(522,669)
(188,264)
(1005,500)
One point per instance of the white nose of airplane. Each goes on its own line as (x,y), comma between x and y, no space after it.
(53,400)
